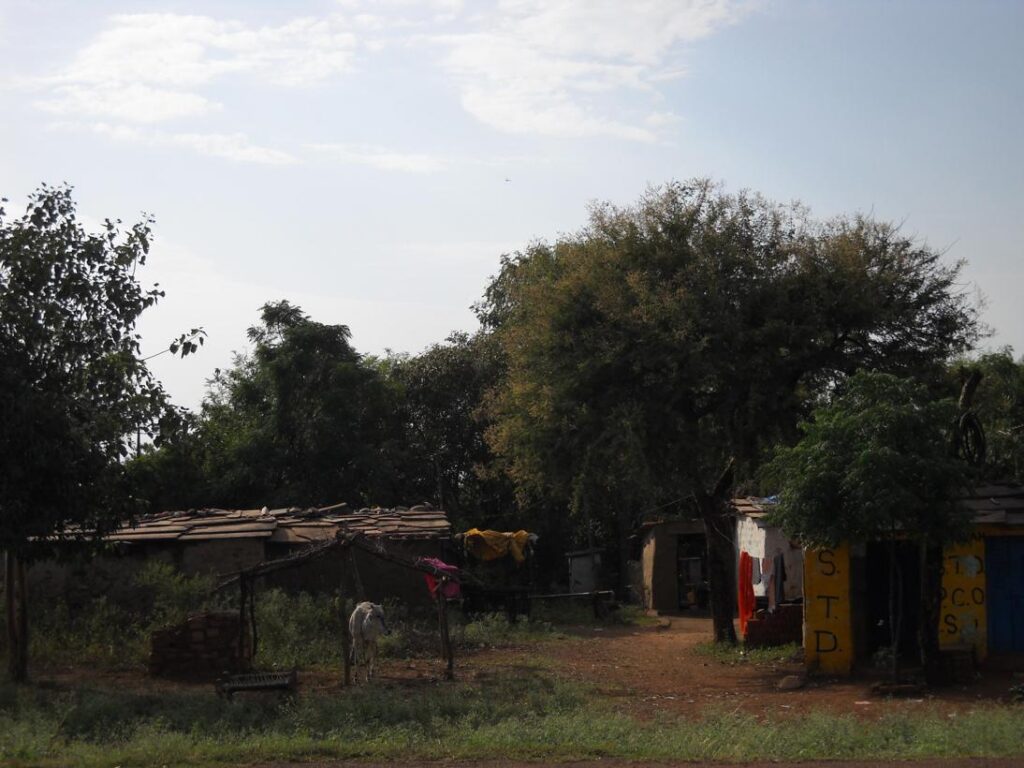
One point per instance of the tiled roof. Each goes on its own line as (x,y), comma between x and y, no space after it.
(289,526)
(1000,503)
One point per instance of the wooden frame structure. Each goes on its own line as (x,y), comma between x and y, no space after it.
(345,542)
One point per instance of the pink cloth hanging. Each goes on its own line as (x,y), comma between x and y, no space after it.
(452,588)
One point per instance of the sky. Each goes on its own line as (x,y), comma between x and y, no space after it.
(370,160)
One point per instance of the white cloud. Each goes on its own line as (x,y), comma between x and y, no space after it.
(551,67)
(235,147)
(381,157)
(149,68)
(133,103)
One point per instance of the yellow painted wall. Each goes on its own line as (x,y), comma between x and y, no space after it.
(828,626)
(963,620)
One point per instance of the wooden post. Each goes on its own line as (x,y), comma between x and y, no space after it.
(346,643)
(16,598)
(243,598)
(252,620)
(22,621)
(13,624)
(442,621)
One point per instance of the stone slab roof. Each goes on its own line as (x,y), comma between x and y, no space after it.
(291,525)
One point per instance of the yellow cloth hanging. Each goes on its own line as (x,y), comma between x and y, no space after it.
(490,545)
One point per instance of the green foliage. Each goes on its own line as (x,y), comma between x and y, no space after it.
(999,404)
(115,633)
(442,390)
(665,339)
(301,420)
(74,390)
(874,462)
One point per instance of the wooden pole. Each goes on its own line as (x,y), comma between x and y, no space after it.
(252,620)
(243,628)
(346,643)
(22,622)
(442,621)
(10,596)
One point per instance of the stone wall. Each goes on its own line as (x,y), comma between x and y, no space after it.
(203,647)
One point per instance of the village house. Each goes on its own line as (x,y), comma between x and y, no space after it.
(846,590)
(224,541)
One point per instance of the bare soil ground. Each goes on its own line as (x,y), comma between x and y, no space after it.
(643,671)
(650,670)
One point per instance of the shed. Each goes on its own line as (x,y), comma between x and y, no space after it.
(763,541)
(224,541)
(846,588)
(674,565)
(584,569)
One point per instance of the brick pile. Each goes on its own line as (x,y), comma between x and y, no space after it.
(783,626)
(203,647)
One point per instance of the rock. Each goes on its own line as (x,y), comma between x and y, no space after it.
(792,682)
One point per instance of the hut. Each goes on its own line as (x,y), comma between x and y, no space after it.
(846,590)
(674,565)
(226,541)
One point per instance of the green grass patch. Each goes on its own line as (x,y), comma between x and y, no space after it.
(740,654)
(525,715)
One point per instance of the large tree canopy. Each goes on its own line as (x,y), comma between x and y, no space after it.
(658,351)
(442,390)
(74,391)
(300,420)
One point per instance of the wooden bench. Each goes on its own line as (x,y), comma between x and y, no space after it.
(229,685)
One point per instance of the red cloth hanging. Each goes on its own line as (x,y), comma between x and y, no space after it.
(746,591)
(451,588)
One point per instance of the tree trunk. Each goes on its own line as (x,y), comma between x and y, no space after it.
(931,605)
(895,609)
(624,523)
(17,618)
(720,531)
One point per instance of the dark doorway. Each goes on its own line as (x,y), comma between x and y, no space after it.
(1004,574)
(691,570)
(878,632)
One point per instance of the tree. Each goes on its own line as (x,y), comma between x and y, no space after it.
(74,392)
(301,420)
(442,390)
(654,355)
(998,404)
(876,464)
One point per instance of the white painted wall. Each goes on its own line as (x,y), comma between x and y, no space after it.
(760,540)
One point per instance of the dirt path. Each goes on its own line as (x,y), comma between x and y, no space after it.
(644,671)
(650,670)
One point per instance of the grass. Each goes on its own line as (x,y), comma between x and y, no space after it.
(525,715)
(295,630)
(740,654)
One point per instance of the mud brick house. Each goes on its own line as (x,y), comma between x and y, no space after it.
(224,541)
(846,590)
(673,564)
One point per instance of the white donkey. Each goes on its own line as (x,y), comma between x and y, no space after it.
(365,625)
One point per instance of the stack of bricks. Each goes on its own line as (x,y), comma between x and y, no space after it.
(783,626)
(203,647)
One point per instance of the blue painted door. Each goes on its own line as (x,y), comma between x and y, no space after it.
(1004,572)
